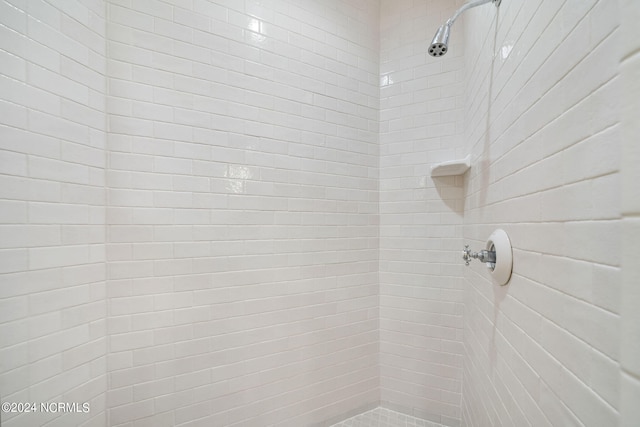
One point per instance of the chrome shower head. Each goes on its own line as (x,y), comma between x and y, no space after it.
(440,42)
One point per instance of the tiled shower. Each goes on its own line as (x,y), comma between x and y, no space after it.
(221,213)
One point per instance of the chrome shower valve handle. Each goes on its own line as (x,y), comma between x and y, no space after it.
(482,256)
(497,256)
(466,255)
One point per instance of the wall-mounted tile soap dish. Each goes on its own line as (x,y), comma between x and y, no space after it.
(451,167)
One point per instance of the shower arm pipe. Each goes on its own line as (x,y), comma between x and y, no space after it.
(468,6)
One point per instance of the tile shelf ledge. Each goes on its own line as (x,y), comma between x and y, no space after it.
(451,167)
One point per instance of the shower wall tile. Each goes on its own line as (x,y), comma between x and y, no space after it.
(420,217)
(630,68)
(630,297)
(543,93)
(52,140)
(631,393)
(242,216)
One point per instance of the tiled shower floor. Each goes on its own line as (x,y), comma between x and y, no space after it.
(381,417)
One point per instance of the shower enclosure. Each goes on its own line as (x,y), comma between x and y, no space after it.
(222,213)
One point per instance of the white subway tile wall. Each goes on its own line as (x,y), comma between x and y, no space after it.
(542,126)
(221,212)
(52,238)
(630,315)
(421,292)
(243,211)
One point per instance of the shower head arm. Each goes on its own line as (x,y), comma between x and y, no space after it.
(468,6)
(440,43)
